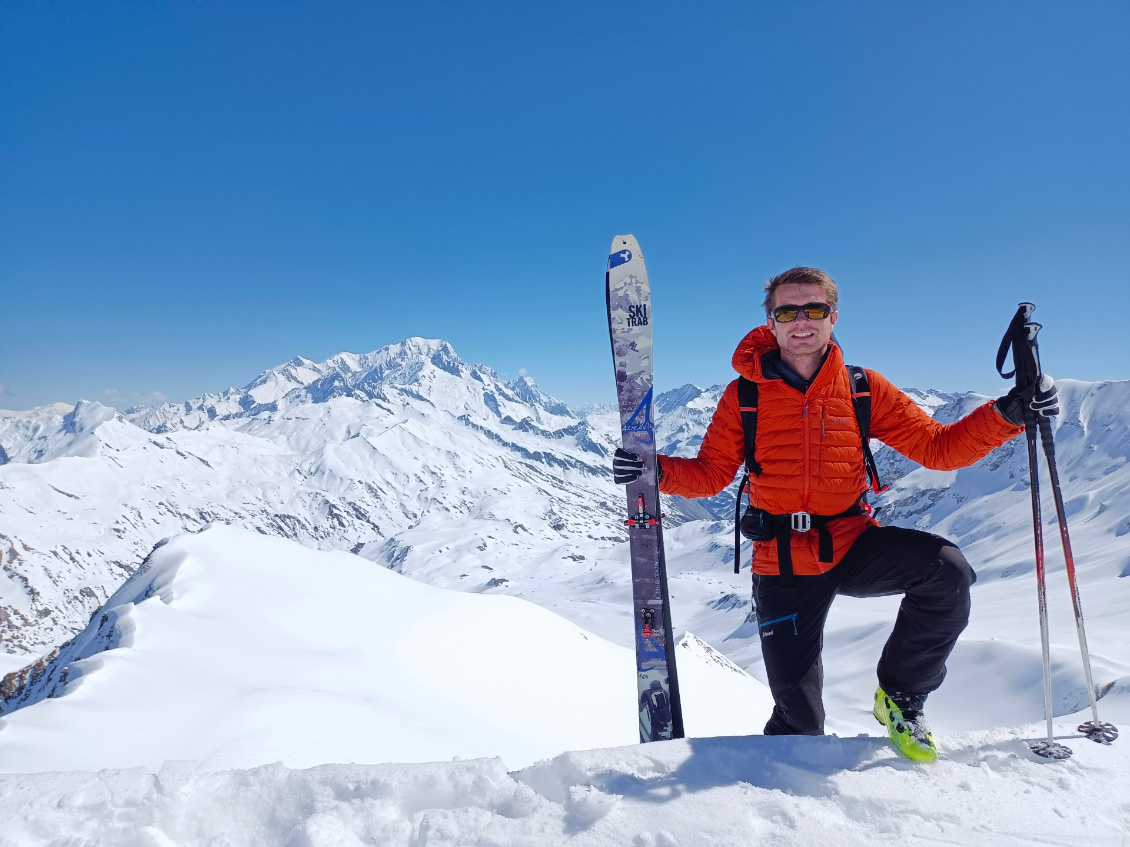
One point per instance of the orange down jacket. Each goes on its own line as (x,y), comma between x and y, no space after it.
(810,449)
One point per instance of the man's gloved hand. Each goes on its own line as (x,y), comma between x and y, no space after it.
(1044,401)
(626,467)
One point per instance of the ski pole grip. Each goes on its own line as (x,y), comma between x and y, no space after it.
(1032,360)
(1021,338)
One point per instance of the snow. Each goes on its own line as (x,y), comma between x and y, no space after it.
(410,453)
(58,409)
(221,691)
(259,692)
(234,649)
(695,793)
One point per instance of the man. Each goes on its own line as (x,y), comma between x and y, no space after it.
(812,538)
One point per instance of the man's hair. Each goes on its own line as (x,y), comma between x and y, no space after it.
(802,276)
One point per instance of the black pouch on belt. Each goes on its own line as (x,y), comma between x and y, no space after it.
(756,525)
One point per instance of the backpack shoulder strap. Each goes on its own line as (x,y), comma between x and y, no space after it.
(861,399)
(743,488)
(747,405)
(861,402)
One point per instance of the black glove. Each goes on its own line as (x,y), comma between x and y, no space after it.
(626,467)
(1043,399)
(1046,399)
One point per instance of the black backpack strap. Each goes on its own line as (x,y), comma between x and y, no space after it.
(861,402)
(738,523)
(747,405)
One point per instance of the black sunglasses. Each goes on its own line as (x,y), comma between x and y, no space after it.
(813,311)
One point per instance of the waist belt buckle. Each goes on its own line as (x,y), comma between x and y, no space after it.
(801,521)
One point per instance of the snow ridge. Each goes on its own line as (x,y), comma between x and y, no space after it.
(109,628)
(225,640)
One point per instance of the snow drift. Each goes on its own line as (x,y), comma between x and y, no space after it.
(234,649)
(231,661)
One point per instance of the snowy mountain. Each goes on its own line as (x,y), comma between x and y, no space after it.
(231,659)
(380,454)
(399,455)
(448,473)
(425,368)
(225,641)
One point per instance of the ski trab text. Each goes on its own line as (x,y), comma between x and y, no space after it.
(637,315)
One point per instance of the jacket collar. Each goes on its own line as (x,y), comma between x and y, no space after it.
(759,341)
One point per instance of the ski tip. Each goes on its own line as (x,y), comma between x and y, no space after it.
(627,241)
(624,249)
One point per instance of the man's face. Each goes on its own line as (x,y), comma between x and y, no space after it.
(801,337)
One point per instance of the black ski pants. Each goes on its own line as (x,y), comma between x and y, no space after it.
(929,571)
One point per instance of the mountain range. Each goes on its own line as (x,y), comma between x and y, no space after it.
(451,474)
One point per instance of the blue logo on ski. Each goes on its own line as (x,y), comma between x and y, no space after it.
(648,637)
(623,257)
(640,421)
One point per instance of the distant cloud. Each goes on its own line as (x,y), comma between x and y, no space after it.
(153,398)
(521,372)
(3,390)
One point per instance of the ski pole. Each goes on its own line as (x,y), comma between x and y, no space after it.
(1021,337)
(1049,748)
(1095,729)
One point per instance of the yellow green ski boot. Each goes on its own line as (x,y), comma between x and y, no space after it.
(906,728)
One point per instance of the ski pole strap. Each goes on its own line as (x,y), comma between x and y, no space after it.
(1021,338)
(759,525)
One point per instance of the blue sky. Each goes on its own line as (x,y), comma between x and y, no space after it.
(192,192)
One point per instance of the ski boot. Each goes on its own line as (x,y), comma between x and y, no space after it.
(906,725)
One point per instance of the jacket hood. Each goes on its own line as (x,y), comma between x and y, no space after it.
(758,342)
(747,358)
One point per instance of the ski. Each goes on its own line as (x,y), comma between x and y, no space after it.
(629,327)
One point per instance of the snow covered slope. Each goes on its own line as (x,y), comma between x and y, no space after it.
(444,471)
(231,659)
(234,649)
(716,792)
